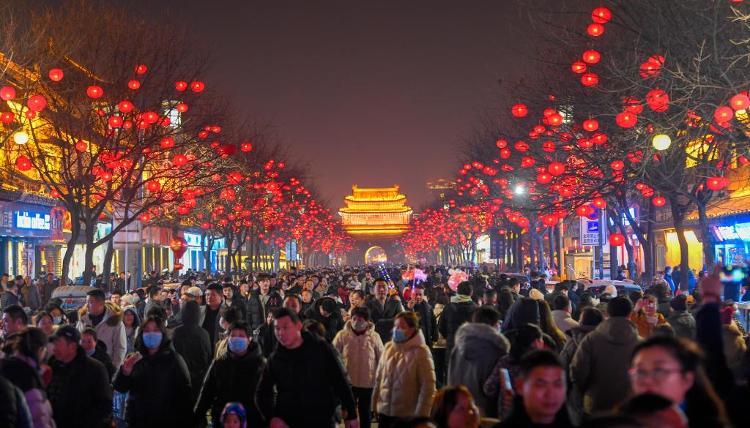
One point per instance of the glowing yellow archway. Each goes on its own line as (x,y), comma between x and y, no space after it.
(375,254)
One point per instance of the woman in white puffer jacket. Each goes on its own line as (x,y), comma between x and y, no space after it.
(361,348)
(405,379)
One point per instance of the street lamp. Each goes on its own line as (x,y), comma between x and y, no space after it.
(519,189)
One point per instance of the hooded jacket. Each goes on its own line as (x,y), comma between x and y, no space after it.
(405,379)
(361,353)
(303,386)
(233,378)
(193,344)
(159,389)
(110,330)
(80,393)
(478,348)
(455,313)
(333,323)
(599,368)
(683,324)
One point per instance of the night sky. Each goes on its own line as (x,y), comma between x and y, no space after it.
(373,93)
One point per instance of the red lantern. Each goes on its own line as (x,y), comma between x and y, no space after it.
(166,143)
(616,240)
(7,93)
(7,117)
(632,105)
(617,165)
(519,110)
(521,146)
(23,163)
(501,144)
(115,121)
(543,178)
(626,119)
(94,91)
(589,79)
(181,107)
(584,211)
(36,103)
(527,162)
(197,86)
(723,114)
(591,125)
(56,74)
(601,15)
(548,146)
(595,30)
(125,106)
(81,146)
(740,101)
(549,220)
(153,186)
(178,245)
(180,85)
(556,169)
(578,67)
(246,146)
(659,201)
(179,160)
(657,100)
(599,203)
(554,119)
(591,56)
(716,183)
(141,69)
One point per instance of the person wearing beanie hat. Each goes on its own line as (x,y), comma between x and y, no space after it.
(326,311)
(234,416)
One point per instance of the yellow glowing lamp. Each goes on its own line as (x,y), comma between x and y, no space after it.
(20,137)
(661,141)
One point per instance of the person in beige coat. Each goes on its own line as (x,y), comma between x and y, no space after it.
(405,379)
(361,348)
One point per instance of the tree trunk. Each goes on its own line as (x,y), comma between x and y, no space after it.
(708,246)
(551,237)
(107,268)
(75,232)
(679,218)
(89,252)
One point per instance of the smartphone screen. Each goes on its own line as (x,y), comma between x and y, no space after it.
(507,382)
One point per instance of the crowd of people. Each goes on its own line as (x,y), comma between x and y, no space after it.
(363,345)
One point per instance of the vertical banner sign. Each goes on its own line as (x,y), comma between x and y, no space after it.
(497,245)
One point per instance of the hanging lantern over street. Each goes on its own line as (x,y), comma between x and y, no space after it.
(716,183)
(723,114)
(595,30)
(246,146)
(180,85)
(659,201)
(549,220)
(23,163)
(134,84)
(556,169)
(125,106)
(519,110)
(601,15)
(56,74)
(178,245)
(81,146)
(94,92)
(599,203)
(617,165)
(141,69)
(36,103)
(591,56)
(616,239)
(661,142)
(589,79)
(740,101)
(626,119)
(657,100)
(578,67)
(584,211)
(7,93)
(197,86)
(590,125)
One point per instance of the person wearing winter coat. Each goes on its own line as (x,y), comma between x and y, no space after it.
(599,368)
(31,295)
(383,309)
(262,302)
(405,379)
(479,345)
(157,380)
(22,369)
(361,348)
(131,322)
(455,313)
(308,379)
(106,319)
(427,320)
(681,320)
(193,344)
(233,377)
(646,317)
(561,310)
(95,349)
(326,311)
(79,391)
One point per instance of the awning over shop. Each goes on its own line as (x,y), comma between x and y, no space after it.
(724,208)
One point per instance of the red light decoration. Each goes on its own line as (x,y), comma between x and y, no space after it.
(659,201)
(584,211)
(590,125)
(632,105)
(723,114)
(166,143)
(657,100)
(521,146)
(246,146)
(115,121)
(617,165)
(616,240)
(740,101)
(7,93)
(595,30)
(601,15)
(7,117)
(141,69)
(56,74)
(153,186)
(179,160)
(556,169)
(527,162)
(181,107)
(501,144)
(519,110)
(578,67)
(197,86)
(181,85)
(36,103)
(94,92)
(716,183)
(134,84)
(23,163)
(549,220)
(626,119)
(125,106)
(591,56)
(548,146)
(589,79)
(599,203)
(81,146)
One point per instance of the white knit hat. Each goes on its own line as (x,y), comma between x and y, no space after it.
(536,294)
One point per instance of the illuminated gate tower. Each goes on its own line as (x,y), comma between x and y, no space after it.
(375,217)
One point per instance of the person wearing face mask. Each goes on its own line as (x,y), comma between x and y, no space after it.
(96,350)
(361,348)
(405,378)
(157,380)
(233,377)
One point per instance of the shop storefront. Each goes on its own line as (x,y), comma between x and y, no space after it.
(30,238)
(194,257)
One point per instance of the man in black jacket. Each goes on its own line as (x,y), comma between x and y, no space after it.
(233,377)
(79,391)
(383,309)
(193,344)
(427,322)
(457,312)
(304,397)
(262,302)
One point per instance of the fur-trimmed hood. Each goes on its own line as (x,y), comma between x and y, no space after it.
(112,314)
(477,340)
